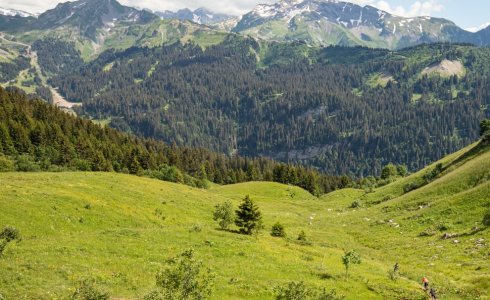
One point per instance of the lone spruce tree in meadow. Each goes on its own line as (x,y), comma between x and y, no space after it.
(248,217)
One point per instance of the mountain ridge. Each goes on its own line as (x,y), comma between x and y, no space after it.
(316,22)
(323,23)
(200,16)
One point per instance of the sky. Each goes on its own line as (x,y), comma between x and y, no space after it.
(468,14)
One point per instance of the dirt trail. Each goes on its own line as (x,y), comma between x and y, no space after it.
(59,101)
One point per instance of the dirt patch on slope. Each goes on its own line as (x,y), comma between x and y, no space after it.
(446,68)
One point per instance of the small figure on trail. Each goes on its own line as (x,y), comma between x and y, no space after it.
(396,268)
(432,294)
(425,282)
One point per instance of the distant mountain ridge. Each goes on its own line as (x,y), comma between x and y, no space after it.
(331,22)
(315,22)
(199,16)
(86,15)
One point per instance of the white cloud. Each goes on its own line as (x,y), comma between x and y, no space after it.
(234,7)
(417,8)
(476,29)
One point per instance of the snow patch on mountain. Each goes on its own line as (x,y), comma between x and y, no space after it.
(15,12)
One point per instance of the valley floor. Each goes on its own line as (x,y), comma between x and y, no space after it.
(121,229)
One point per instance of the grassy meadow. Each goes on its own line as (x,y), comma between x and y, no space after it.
(121,229)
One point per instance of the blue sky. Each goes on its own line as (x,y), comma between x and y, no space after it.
(465,13)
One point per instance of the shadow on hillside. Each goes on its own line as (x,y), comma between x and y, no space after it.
(478,149)
(235,231)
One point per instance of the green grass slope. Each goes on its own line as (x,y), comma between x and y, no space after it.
(121,229)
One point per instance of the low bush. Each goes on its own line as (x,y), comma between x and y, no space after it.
(3,245)
(184,279)
(278,230)
(88,290)
(26,163)
(393,275)
(6,165)
(10,233)
(356,204)
(299,291)
(486,219)
(302,239)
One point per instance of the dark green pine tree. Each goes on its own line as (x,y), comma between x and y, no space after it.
(248,217)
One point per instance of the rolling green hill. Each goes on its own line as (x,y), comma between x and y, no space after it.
(121,229)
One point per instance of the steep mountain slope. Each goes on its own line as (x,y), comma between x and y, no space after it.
(120,230)
(94,26)
(482,37)
(329,22)
(90,16)
(86,16)
(339,109)
(200,16)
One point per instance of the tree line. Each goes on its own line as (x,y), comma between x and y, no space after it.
(35,136)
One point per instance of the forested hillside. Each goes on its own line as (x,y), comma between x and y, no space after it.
(35,136)
(338,109)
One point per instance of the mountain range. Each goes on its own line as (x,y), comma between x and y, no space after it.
(332,22)
(199,16)
(316,22)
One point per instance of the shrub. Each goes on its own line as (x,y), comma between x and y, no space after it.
(82,165)
(195,228)
(299,291)
(25,163)
(410,187)
(350,258)
(194,182)
(6,165)
(293,291)
(485,129)
(356,204)
(486,219)
(223,214)
(3,245)
(168,173)
(88,290)
(10,233)
(402,170)
(185,279)
(302,236)
(278,230)
(389,171)
(328,295)
(428,177)
(393,275)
